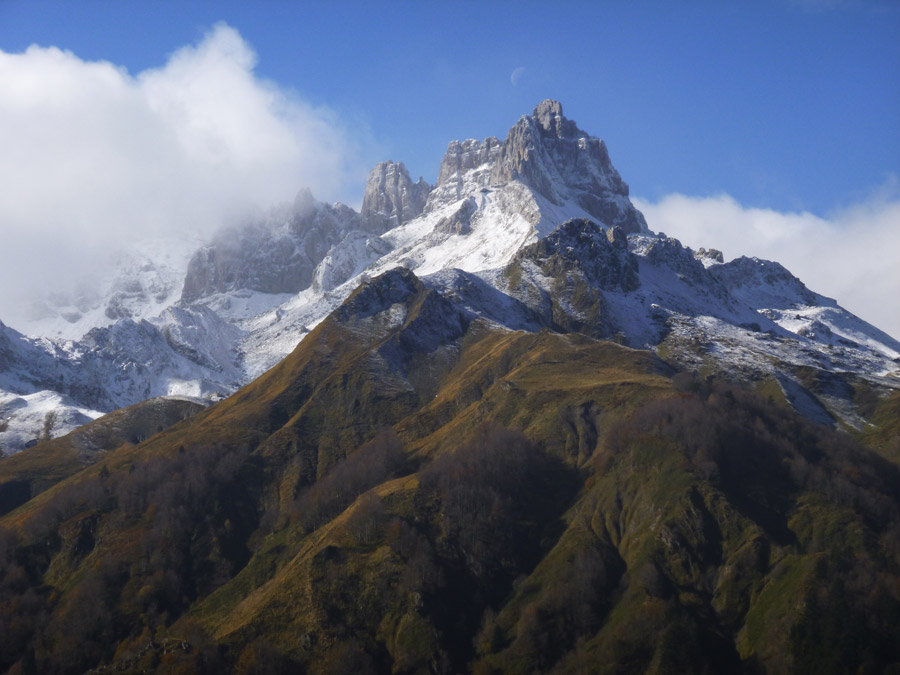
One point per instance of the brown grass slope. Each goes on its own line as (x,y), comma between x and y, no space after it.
(27,474)
(412,490)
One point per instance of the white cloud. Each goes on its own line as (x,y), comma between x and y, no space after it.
(516,75)
(92,154)
(852,255)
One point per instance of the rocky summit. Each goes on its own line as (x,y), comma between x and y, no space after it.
(391,197)
(494,425)
(543,218)
(551,155)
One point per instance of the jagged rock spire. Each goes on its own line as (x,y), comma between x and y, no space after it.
(391,197)
(550,154)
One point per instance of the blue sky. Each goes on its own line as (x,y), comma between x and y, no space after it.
(746,126)
(787,105)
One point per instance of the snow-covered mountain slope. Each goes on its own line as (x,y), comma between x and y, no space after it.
(138,282)
(533,232)
(645,290)
(272,253)
(652,291)
(48,387)
(33,386)
(484,208)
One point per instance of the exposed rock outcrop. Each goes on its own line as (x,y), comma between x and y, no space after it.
(580,247)
(391,198)
(580,262)
(460,221)
(463,156)
(766,279)
(351,256)
(275,254)
(712,255)
(550,154)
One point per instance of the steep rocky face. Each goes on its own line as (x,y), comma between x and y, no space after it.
(458,175)
(351,256)
(391,197)
(395,287)
(752,276)
(277,254)
(458,222)
(463,156)
(563,276)
(550,154)
(405,318)
(668,252)
(580,246)
(7,353)
(709,257)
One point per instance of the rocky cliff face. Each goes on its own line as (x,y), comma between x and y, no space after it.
(279,253)
(391,198)
(275,254)
(464,165)
(351,256)
(463,156)
(550,154)
(546,171)
(579,246)
(564,276)
(533,232)
(754,277)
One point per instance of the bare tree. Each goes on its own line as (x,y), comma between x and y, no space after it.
(49,423)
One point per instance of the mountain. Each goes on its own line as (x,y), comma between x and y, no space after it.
(48,387)
(494,425)
(29,473)
(139,282)
(416,488)
(250,294)
(495,215)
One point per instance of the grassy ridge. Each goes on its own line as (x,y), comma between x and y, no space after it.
(411,491)
(27,474)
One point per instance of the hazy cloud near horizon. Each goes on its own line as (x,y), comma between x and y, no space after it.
(93,155)
(850,256)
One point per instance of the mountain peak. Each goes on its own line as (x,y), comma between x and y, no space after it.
(549,114)
(548,107)
(391,198)
(559,161)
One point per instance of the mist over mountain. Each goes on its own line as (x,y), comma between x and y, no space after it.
(96,157)
(197,319)
(494,424)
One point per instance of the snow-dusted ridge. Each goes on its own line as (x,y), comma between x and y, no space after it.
(534,232)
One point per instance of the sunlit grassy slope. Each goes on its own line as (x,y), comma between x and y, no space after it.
(414,490)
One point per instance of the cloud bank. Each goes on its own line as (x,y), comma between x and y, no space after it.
(93,156)
(852,255)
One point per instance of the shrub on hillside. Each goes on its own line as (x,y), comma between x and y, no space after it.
(371,464)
